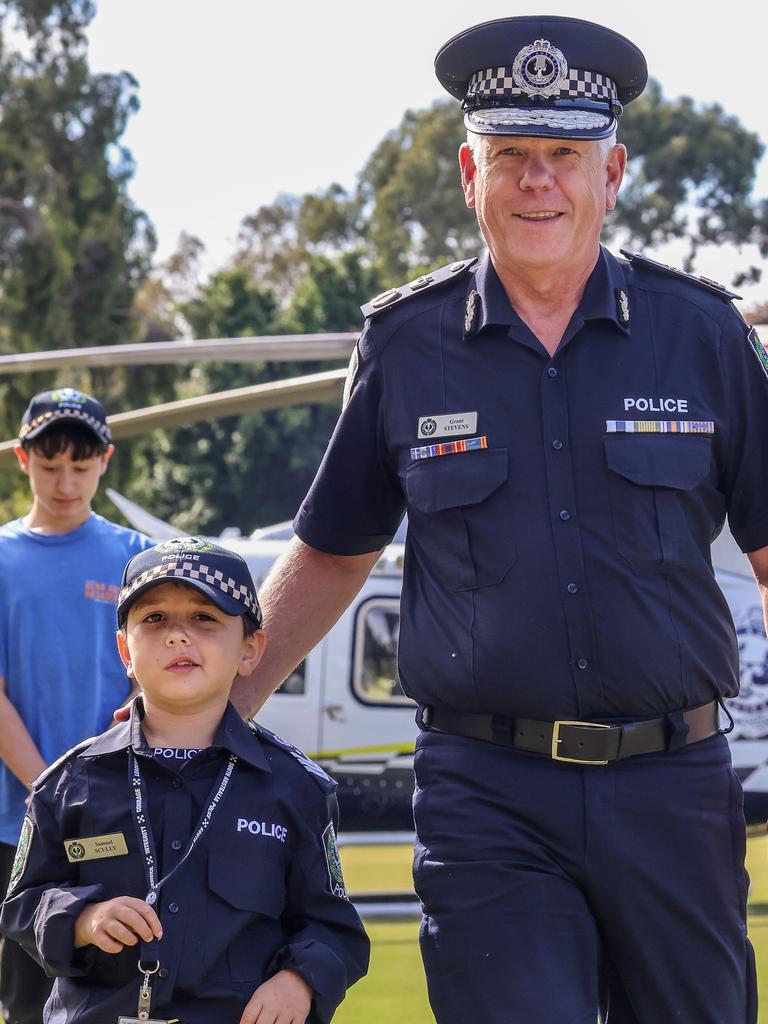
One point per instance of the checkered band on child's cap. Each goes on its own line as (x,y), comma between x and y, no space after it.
(493,83)
(50,416)
(220,574)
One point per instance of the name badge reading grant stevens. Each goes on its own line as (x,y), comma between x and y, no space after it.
(445,426)
(95,847)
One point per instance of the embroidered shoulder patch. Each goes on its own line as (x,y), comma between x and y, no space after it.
(333,862)
(394,296)
(22,852)
(759,349)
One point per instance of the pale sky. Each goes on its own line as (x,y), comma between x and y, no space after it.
(243,99)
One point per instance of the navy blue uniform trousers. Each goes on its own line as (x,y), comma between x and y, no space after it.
(552,892)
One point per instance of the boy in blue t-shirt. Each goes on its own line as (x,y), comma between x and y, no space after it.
(60,675)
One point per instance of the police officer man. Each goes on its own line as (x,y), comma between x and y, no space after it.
(567,431)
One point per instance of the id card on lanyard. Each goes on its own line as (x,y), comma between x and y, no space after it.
(149,963)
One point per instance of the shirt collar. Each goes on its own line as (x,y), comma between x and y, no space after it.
(602,298)
(231,734)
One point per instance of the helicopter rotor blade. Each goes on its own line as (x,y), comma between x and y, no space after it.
(271,348)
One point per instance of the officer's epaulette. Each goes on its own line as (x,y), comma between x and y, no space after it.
(322,777)
(66,756)
(638,259)
(394,296)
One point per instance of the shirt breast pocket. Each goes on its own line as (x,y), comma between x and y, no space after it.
(459,519)
(652,477)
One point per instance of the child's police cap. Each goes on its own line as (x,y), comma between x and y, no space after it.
(51,407)
(551,77)
(222,575)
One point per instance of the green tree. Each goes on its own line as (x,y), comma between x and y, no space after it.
(73,247)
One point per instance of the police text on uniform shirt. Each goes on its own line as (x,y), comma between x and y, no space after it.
(261,828)
(656,404)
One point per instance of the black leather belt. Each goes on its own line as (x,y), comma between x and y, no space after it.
(578,742)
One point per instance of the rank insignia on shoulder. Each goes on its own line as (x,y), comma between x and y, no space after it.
(471,313)
(622,306)
(393,296)
(640,260)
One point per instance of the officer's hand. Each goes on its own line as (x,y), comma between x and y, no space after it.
(117,923)
(285,999)
(122,714)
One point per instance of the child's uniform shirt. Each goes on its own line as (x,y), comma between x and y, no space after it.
(57,639)
(261,891)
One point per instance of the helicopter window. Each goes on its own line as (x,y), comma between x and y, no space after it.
(295,682)
(374,677)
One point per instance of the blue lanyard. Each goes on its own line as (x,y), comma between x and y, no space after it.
(144,828)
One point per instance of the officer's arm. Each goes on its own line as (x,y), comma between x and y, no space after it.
(302,597)
(17,748)
(759,560)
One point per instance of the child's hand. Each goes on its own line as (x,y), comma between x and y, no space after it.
(285,999)
(117,923)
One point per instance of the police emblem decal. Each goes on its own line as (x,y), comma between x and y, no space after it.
(427,426)
(333,862)
(540,69)
(22,852)
(76,851)
(184,545)
(68,396)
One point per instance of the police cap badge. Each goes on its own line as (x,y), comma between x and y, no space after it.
(552,77)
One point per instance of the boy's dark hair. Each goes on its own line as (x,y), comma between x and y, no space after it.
(61,436)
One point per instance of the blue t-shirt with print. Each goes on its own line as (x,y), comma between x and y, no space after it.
(58,654)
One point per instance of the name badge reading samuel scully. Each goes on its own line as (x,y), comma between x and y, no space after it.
(444,426)
(95,847)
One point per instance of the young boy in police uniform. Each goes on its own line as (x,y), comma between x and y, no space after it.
(60,570)
(182,866)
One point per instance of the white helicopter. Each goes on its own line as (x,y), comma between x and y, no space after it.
(344,705)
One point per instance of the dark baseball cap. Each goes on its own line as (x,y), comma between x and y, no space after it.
(552,77)
(220,574)
(51,407)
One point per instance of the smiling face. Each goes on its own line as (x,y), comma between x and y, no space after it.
(540,203)
(62,487)
(183,651)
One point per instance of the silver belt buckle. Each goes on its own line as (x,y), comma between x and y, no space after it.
(556,739)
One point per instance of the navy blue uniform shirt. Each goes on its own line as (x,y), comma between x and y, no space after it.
(261,892)
(564,570)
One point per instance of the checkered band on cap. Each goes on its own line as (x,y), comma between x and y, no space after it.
(98,426)
(195,571)
(495,83)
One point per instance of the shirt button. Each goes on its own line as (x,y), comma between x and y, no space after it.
(557,444)
(582,663)
(176,784)
(572,588)
(565,515)
(173,908)
(552,371)
(163,972)
(176,844)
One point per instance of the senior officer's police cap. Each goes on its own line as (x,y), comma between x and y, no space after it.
(552,77)
(222,575)
(50,407)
